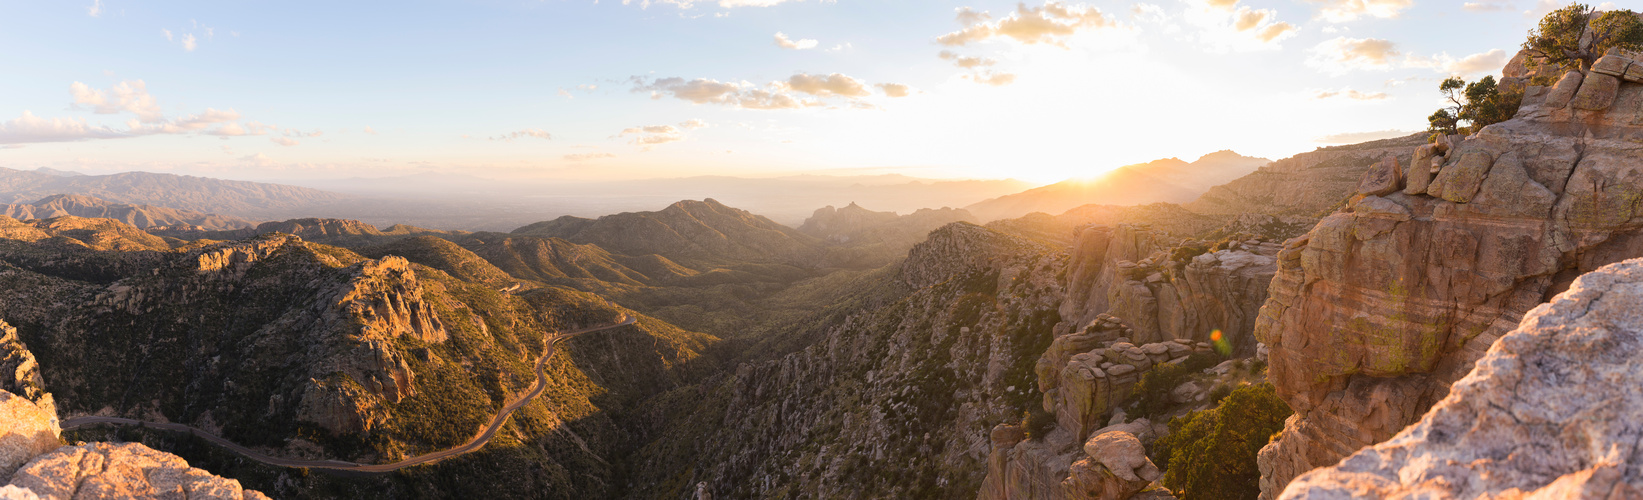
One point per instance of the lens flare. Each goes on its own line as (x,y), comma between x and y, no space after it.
(1220,343)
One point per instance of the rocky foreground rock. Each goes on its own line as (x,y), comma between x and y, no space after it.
(1384,304)
(1549,412)
(34,462)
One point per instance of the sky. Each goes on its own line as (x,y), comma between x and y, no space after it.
(628,89)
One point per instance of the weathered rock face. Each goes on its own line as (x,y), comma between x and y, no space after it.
(1375,312)
(20,372)
(26,430)
(129,470)
(1163,291)
(1548,412)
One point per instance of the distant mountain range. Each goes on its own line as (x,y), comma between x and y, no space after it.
(1169,180)
(182,192)
(141,216)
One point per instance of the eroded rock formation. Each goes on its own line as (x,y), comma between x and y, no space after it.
(1548,412)
(1165,288)
(1384,304)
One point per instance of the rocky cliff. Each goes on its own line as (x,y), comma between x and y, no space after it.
(1384,304)
(1547,412)
(36,465)
(1167,288)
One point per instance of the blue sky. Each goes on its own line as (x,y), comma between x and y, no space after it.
(578,89)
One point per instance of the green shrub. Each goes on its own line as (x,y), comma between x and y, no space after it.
(1153,392)
(1210,454)
(1038,423)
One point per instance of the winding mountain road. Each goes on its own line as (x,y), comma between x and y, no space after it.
(477,442)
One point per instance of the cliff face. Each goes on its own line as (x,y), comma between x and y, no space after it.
(1383,305)
(1548,412)
(1166,288)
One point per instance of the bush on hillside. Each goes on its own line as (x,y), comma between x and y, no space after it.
(1210,454)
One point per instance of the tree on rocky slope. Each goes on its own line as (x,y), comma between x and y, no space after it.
(1571,38)
(1478,104)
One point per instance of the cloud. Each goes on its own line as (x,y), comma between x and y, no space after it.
(895,89)
(1357,137)
(96,8)
(566,94)
(728,4)
(1274,31)
(260,160)
(167,34)
(693,124)
(1482,62)
(776,95)
(1340,11)
(27,129)
(1341,54)
(369,130)
(1488,5)
(588,156)
(125,97)
(650,136)
(1350,94)
(966,62)
(1049,23)
(189,42)
(521,134)
(284,141)
(783,42)
(831,85)
(992,78)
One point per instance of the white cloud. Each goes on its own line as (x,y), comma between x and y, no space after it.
(966,62)
(1225,26)
(1341,55)
(588,156)
(1488,5)
(566,94)
(1357,137)
(260,160)
(650,136)
(1348,93)
(741,95)
(686,4)
(1340,11)
(786,43)
(189,42)
(125,97)
(1050,23)
(830,85)
(521,134)
(1482,62)
(96,8)
(693,124)
(28,129)
(284,141)
(369,130)
(167,34)
(992,78)
(895,89)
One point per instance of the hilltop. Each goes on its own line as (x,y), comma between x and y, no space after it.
(1167,180)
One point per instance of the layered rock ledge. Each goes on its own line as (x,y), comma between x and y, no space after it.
(1548,412)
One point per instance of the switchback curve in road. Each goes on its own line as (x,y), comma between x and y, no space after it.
(475,443)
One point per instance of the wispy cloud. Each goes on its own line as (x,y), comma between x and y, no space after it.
(588,156)
(522,134)
(1050,23)
(784,42)
(1341,55)
(1348,93)
(27,129)
(96,8)
(1340,11)
(1357,137)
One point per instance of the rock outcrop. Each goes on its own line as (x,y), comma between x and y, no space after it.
(127,470)
(1304,184)
(1548,412)
(1165,288)
(26,430)
(1384,304)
